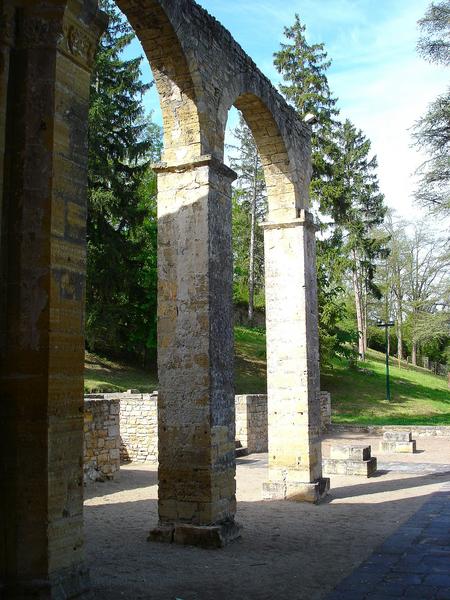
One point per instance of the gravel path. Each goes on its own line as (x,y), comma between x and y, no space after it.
(287,550)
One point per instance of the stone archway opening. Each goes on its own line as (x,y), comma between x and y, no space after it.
(295,459)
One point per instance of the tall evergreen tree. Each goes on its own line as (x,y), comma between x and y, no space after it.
(305,85)
(304,67)
(121,228)
(356,183)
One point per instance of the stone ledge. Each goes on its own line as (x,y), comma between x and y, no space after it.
(204,536)
(417,430)
(200,161)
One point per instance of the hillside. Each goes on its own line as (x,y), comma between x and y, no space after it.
(358,394)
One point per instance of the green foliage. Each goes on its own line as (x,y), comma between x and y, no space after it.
(337,337)
(344,187)
(434,45)
(303,67)
(121,228)
(432,131)
(432,134)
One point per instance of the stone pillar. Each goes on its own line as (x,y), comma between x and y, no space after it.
(195,355)
(43,265)
(293,378)
(6,40)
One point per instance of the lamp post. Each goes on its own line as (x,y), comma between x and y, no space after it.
(386,325)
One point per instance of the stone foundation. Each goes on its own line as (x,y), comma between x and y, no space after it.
(398,442)
(354,459)
(416,430)
(213,536)
(101,439)
(297,491)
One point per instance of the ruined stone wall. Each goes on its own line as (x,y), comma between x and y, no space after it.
(139,428)
(101,439)
(251,422)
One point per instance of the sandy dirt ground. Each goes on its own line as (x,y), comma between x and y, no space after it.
(288,550)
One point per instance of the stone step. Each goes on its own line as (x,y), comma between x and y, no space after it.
(336,466)
(350,451)
(392,446)
(397,436)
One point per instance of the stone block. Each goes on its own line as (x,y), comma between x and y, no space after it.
(336,466)
(393,447)
(397,436)
(297,491)
(352,452)
(211,536)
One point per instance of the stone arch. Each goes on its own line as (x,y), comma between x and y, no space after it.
(46,59)
(180,91)
(282,193)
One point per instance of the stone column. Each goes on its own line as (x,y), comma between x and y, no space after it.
(293,378)
(43,265)
(195,355)
(6,40)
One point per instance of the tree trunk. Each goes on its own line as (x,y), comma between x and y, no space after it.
(359,311)
(414,354)
(399,335)
(251,266)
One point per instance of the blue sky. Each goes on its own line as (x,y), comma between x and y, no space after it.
(382,85)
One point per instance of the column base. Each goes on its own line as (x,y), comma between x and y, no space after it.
(66,585)
(297,491)
(205,536)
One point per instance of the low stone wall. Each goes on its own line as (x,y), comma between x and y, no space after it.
(252,422)
(416,430)
(124,427)
(325,409)
(101,439)
(139,427)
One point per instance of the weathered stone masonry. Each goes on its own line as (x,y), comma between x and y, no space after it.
(101,439)
(47,49)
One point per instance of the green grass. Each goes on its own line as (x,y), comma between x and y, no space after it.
(250,361)
(104,375)
(358,394)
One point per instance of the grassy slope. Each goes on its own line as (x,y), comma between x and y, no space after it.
(358,396)
(104,375)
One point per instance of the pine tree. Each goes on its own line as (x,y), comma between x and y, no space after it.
(250,207)
(356,182)
(121,228)
(303,67)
